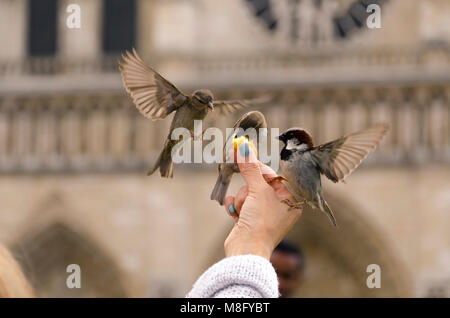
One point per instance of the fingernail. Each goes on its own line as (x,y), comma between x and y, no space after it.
(231,209)
(244,149)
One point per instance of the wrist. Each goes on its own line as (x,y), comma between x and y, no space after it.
(247,246)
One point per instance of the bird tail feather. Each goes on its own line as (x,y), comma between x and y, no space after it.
(164,163)
(220,189)
(325,208)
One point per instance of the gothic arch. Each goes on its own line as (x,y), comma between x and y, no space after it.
(49,241)
(337,258)
(46,253)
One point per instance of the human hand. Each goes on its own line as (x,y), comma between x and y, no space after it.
(261,219)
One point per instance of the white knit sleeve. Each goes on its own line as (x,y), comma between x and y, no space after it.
(242,276)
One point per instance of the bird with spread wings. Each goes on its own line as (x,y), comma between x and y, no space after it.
(155,98)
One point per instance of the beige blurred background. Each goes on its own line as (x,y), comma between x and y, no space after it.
(74,151)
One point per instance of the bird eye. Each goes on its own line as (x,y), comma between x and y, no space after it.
(200,100)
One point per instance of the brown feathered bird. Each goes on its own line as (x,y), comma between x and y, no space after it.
(155,97)
(302,163)
(253,119)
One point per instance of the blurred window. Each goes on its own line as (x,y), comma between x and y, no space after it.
(119,25)
(42,27)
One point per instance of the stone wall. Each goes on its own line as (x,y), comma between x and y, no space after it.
(74,151)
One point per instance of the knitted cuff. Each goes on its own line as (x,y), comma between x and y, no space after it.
(251,271)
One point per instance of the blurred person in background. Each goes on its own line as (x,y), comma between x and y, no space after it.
(12,280)
(289,263)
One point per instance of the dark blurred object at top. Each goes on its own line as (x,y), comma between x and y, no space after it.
(42,27)
(118,23)
(263,10)
(344,22)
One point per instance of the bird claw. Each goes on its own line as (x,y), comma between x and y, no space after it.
(276,179)
(294,205)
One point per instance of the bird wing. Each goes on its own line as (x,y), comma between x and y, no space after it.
(337,159)
(154,96)
(226,107)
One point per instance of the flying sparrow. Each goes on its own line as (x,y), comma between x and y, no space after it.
(155,97)
(302,163)
(252,119)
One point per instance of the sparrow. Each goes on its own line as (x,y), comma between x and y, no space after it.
(253,119)
(302,163)
(155,98)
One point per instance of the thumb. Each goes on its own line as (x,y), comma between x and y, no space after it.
(249,167)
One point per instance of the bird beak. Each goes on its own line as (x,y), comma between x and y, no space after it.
(211,106)
(278,137)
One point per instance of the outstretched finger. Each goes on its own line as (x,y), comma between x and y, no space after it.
(230,208)
(249,167)
(280,188)
(240,197)
(266,171)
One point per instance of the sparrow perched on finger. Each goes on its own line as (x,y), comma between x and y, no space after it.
(252,119)
(302,163)
(155,97)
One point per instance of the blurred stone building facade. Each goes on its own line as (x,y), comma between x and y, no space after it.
(74,151)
